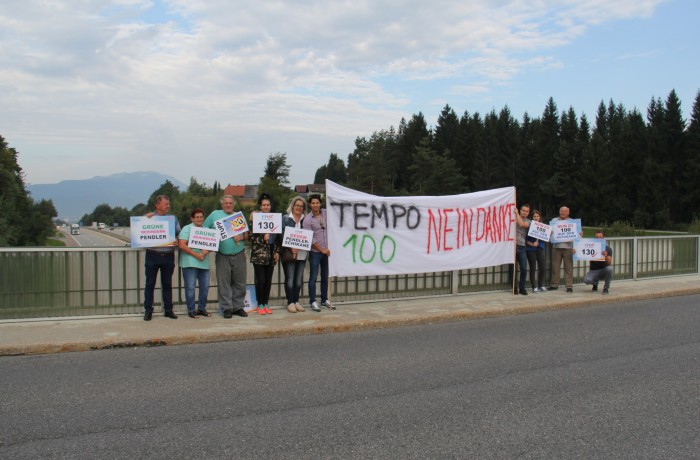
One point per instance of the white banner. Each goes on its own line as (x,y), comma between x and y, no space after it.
(372,235)
(539,230)
(267,222)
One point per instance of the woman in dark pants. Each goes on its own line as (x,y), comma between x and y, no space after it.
(265,251)
(535,258)
(294,269)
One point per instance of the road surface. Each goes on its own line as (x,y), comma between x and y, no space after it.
(614,381)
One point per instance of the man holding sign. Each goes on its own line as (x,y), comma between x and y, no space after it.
(601,269)
(230,259)
(564,233)
(160,258)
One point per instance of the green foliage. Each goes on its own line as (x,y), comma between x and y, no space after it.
(624,168)
(275,182)
(621,228)
(277,168)
(694,227)
(22,221)
(335,171)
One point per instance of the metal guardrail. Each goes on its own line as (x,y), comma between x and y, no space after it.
(56,282)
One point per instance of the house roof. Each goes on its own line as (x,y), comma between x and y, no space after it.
(237,191)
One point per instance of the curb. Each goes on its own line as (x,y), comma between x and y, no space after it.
(351,325)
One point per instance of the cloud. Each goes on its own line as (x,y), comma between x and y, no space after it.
(150,79)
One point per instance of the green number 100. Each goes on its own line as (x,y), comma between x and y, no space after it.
(369,245)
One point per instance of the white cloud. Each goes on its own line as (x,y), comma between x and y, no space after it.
(157,80)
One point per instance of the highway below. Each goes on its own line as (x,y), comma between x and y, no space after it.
(89,238)
(611,381)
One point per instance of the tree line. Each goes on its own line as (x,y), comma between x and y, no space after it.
(23,222)
(623,168)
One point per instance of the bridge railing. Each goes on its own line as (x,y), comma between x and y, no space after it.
(56,282)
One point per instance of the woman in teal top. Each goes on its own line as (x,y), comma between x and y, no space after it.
(195,268)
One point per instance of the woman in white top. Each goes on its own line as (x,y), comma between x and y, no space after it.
(294,268)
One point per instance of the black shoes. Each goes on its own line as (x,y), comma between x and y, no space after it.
(523,292)
(553,288)
(192,314)
(240,312)
(170,314)
(595,288)
(569,290)
(147,316)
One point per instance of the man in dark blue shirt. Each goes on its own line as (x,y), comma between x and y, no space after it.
(601,269)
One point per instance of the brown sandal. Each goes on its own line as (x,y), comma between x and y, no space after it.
(203,313)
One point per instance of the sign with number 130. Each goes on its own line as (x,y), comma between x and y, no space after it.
(267,222)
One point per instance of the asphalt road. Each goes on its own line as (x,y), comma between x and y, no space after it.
(615,381)
(92,238)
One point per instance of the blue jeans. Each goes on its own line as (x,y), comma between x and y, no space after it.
(593,276)
(192,276)
(317,259)
(166,264)
(521,257)
(293,273)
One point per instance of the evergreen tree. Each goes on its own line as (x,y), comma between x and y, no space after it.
(446,131)
(410,136)
(546,148)
(691,176)
(434,174)
(469,142)
(673,138)
(335,171)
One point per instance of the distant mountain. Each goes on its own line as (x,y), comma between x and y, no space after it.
(74,198)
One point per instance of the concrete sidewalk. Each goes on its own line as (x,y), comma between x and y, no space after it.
(91,333)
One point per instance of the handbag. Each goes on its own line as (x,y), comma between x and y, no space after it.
(288,256)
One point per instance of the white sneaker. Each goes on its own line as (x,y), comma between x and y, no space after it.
(314,306)
(536,290)
(543,289)
(328,305)
(299,308)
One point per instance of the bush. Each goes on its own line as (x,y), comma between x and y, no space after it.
(621,228)
(694,227)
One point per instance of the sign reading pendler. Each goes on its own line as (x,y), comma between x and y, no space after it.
(152,232)
(539,230)
(297,238)
(203,238)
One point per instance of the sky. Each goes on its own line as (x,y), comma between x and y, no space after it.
(210,88)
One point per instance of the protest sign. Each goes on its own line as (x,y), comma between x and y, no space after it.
(373,235)
(589,249)
(203,238)
(230,226)
(151,232)
(297,238)
(267,222)
(539,230)
(565,230)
